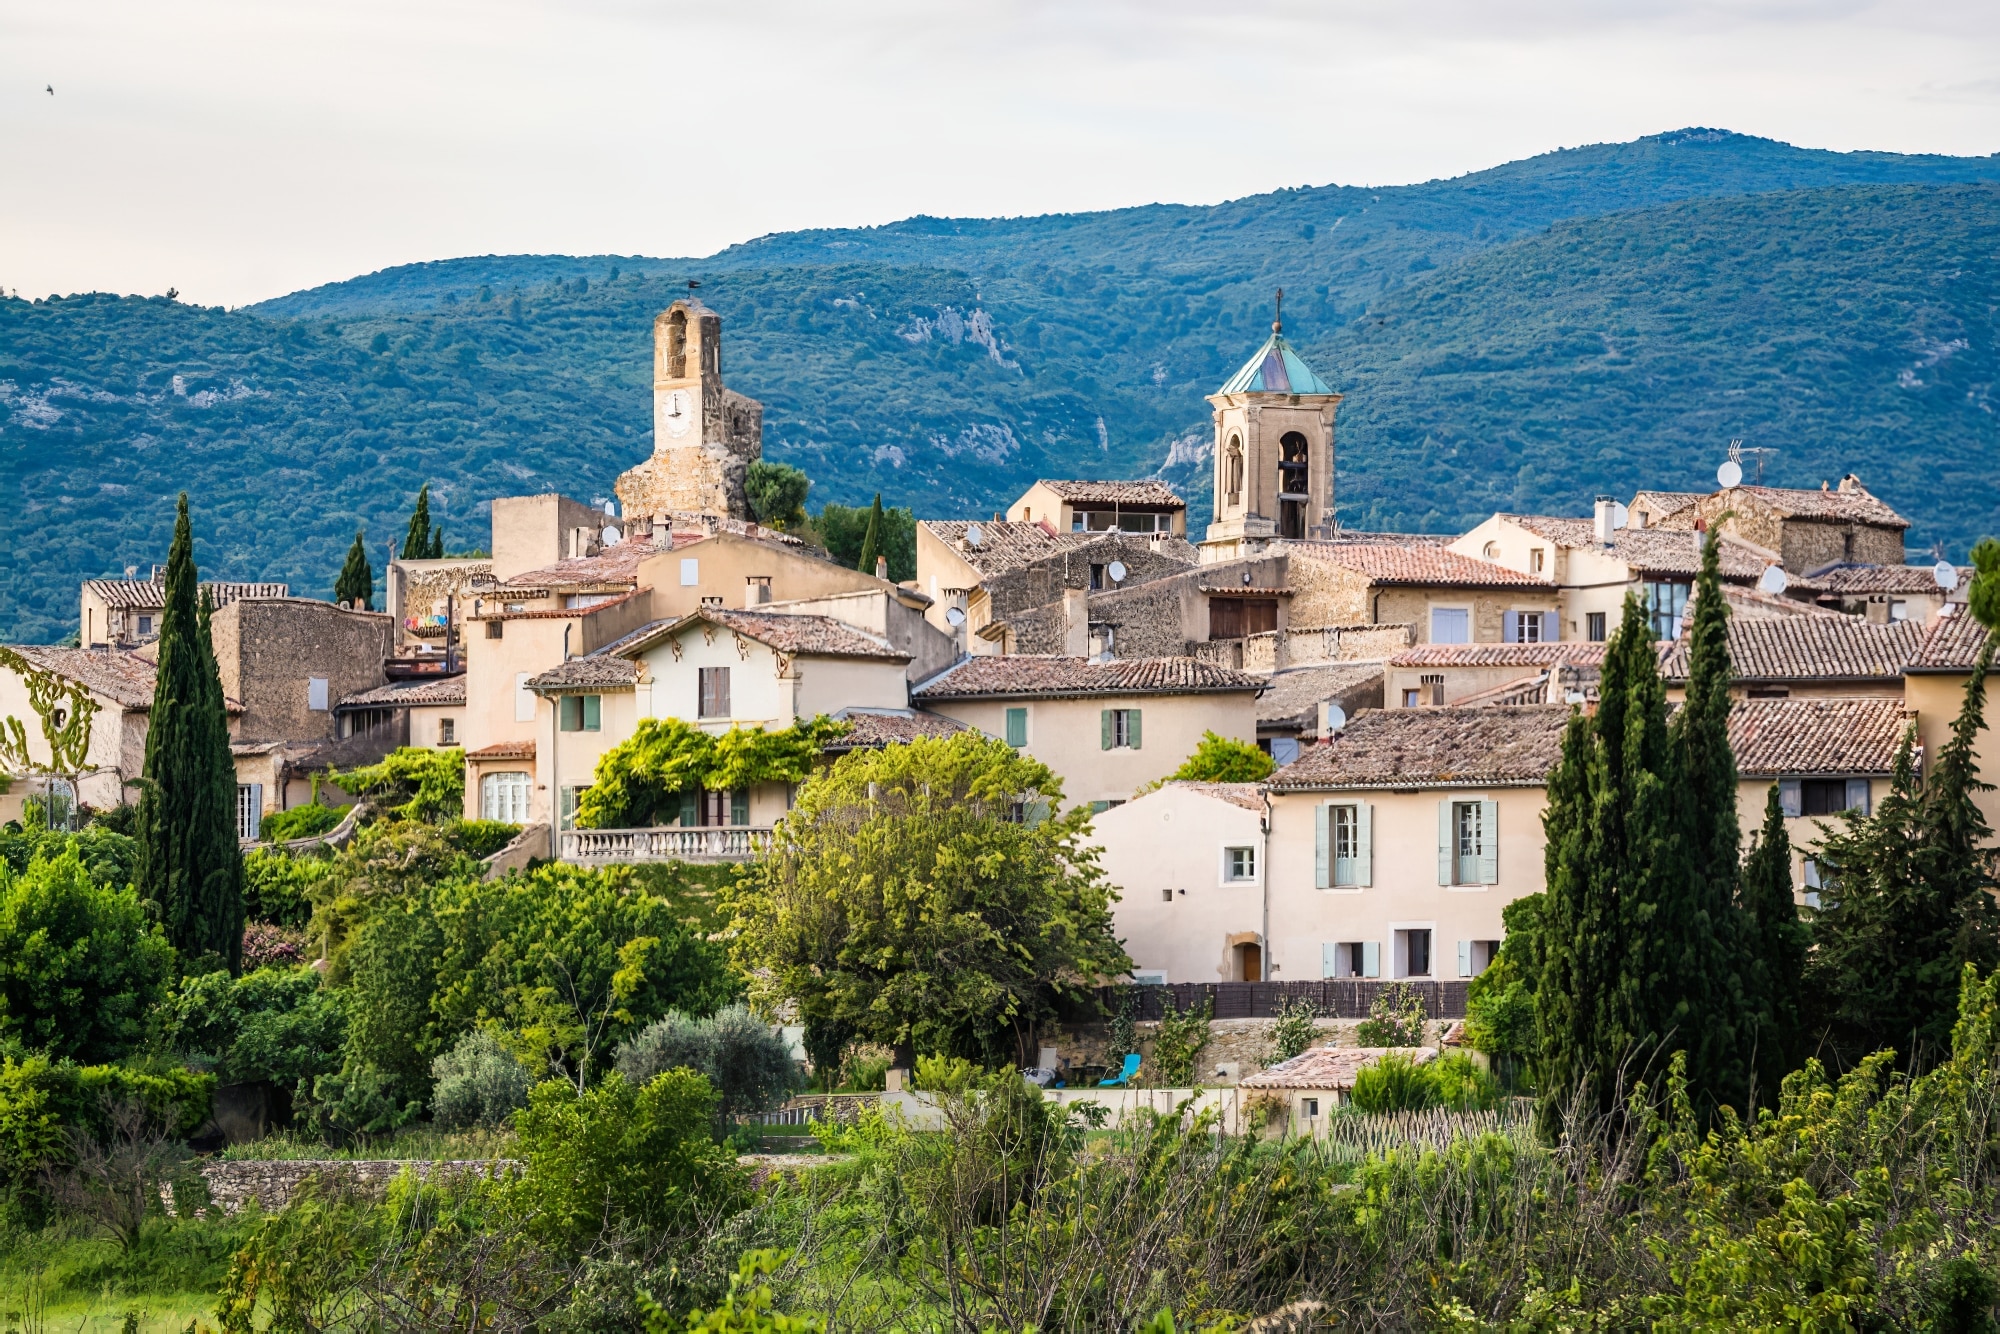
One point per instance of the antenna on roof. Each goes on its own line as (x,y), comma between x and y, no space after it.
(1737,449)
(1278,318)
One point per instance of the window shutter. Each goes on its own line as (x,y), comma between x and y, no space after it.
(1364,852)
(1789,800)
(1323,845)
(1104,727)
(690,807)
(1465,958)
(593,713)
(524,699)
(722,692)
(690,571)
(1329,957)
(1551,628)
(1132,728)
(1510,627)
(1857,795)
(1017,727)
(1489,842)
(1371,958)
(739,806)
(316,693)
(1444,843)
(1035,813)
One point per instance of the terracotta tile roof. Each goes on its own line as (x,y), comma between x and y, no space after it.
(1392,748)
(504,750)
(1339,537)
(1881,579)
(1666,502)
(1250,796)
(144,594)
(124,678)
(1850,502)
(1648,550)
(598,671)
(556,613)
(1756,605)
(869,728)
(787,632)
(1816,736)
(406,694)
(1330,1067)
(1033,676)
(1498,655)
(1149,493)
(1808,648)
(1004,544)
(1294,695)
(1432,565)
(1951,643)
(617,567)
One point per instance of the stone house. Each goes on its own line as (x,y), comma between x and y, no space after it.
(125,613)
(1449,598)
(1431,675)
(121,685)
(1106,729)
(1145,507)
(1187,861)
(1808,530)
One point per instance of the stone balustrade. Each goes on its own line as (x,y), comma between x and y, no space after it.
(667,843)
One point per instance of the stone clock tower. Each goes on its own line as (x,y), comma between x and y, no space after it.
(705,437)
(1273,453)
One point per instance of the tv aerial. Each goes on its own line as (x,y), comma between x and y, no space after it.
(1731,473)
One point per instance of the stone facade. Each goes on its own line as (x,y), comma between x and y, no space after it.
(420,591)
(1244,1045)
(1804,541)
(270,652)
(1045,581)
(231,1185)
(705,436)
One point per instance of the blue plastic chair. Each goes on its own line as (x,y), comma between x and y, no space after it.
(1124,1076)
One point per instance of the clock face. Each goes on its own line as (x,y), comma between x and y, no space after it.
(680,412)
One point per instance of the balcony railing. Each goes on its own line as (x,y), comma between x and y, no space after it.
(669,843)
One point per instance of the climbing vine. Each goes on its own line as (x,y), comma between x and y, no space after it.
(64,709)
(639,781)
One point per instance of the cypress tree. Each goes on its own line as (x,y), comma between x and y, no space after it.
(188,862)
(418,541)
(871,539)
(357,577)
(1775,943)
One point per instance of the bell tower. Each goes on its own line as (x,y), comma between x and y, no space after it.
(705,436)
(1273,452)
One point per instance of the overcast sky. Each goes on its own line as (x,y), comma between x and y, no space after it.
(239,149)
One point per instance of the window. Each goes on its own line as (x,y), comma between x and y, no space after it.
(1239,865)
(1491,551)
(1149,977)
(1468,842)
(1828,796)
(1451,625)
(316,694)
(1119,728)
(1143,523)
(1536,558)
(1166,896)
(524,699)
(145,625)
(1476,956)
(495,629)
(1413,952)
(1309,1107)
(1351,958)
(1017,727)
(570,797)
(582,713)
(249,810)
(1593,626)
(1410,699)
(690,571)
(1433,689)
(1664,603)
(447,731)
(1815,881)
(1847,547)
(1899,611)
(581,600)
(714,702)
(1345,827)
(1528,627)
(504,797)
(1096,577)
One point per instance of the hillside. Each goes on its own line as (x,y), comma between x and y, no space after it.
(1489,358)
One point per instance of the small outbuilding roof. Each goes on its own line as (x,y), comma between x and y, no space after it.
(410,694)
(1817,736)
(1012,676)
(1148,494)
(1331,1067)
(1493,746)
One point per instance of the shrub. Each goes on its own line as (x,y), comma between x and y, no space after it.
(266,945)
(413,783)
(299,822)
(631,1159)
(1462,1085)
(477,1083)
(80,963)
(360,1101)
(1295,1029)
(1395,1018)
(1218,759)
(280,886)
(480,838)
(1394,1083)
(40,1098)
(1178,1044)
(747,1065)
(275,1024)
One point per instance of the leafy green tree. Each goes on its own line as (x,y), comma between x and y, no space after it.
(423,541)
(80,963)
(393,967)
(1500,1002)
(777,493)
(871,540)
(189,863)
(423,784)
(622,1158)
(640,780)
(1221,759)
(357,577)
(841,528)
(1776,943)
(749,1067)
(919,897)
(277,1024)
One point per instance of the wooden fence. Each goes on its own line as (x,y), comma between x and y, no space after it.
(1337,998)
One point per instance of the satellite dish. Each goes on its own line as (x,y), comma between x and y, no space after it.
(974,536)
(1336,717)
(1619,515)
(1105,656)
(1117,571)
(954,617)
(610,510)
(1773,581)
(1730,474)
(1946,575)
(612,537)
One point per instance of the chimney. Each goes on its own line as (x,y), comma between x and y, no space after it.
(756,590)
(1604,513)
(1076,622)
(882,568)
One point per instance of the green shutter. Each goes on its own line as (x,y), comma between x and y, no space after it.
(739,806)
(1017,727)
(1104,728)
(1445,849)
(1035,813)
(1465,958)
(1371,958)
(1132,728)
(1489,842)
(690,807)
(593,712)
(1364,851)
(566,713)
(1323,845)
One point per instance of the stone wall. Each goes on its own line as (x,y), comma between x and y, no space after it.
(231,1185)
(429,587)
(1243,1043)
(1043,582)
(268,649)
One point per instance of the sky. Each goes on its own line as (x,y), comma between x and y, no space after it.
(238,149)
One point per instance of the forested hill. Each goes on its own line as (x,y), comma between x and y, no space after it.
(1585,321)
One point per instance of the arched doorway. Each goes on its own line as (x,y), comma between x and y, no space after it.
(1250,963)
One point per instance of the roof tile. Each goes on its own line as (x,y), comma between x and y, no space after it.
(1808,648)
(408,694)
(1147,492)
(1951,643)
(1848,503)
(1503,744)
(1330,1067)
(1032,675)
(1824,736)
(124,678)
(1385,564)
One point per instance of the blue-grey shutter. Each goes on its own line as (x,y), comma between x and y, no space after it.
(1323,846)
(593,713)
(739,806)
(1371,958)
(1510,627)
(1857,795)
(1017,727)
(690,807)
(1489,842)
(1329,959)
(1364,849)
(1465,958)
(1551,627)
(1444,843)
(1104,728)
(1789,799)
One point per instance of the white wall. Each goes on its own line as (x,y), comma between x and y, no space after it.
(1172,840)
